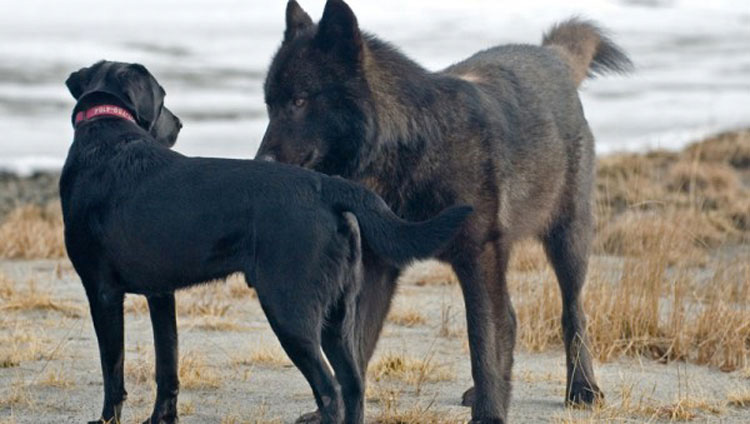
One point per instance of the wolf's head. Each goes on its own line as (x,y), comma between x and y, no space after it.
(316,92)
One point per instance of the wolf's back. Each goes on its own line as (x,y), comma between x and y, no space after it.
(586,49)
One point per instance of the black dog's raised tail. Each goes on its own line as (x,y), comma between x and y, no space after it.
(586,48)
(390,237)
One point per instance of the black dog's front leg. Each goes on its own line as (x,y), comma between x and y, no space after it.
(107,314)
(164,322)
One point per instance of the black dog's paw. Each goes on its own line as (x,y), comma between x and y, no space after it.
(584,394)
(309,418)
(468,398)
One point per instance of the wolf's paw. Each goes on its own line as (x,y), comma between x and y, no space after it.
(170,420)
(309,418)
(487,421)
(584,394)
(468,398)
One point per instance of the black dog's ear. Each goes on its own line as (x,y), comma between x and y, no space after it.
(77,81)
(144,93)
(297,21)
(338,30)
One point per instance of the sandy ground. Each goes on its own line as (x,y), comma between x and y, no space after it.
(62,383)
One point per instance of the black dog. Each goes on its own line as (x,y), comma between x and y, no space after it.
(503,131)
(141,218)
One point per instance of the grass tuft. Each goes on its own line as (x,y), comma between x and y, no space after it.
(31,232)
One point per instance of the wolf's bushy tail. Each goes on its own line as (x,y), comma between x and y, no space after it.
(390,237)
(587,49)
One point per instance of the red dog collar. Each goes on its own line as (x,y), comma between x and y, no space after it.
(103,110)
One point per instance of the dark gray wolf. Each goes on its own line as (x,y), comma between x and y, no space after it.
(141,218)
(503,131)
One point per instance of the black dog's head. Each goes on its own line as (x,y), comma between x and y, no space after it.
(316,92)
(132,87)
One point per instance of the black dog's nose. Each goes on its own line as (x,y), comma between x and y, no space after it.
(266,158)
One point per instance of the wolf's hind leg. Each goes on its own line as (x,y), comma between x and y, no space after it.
(567,246)
(492,390)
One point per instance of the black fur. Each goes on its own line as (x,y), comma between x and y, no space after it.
(141,218)
(503,131)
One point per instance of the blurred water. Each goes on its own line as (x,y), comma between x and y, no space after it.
(693,59)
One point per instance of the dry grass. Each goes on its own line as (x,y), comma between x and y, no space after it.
(7,287)
(260,415)
(647,309)
(19,343)
(408,369)
(267,355)
(185,408)
(140,369)
(429,273)
(391,410)
(57,377)
(406,316)
(195,373)
(31,298)
(528,256)
(32,232)
(633,406)
(732,148)
(739,398)
(16,395)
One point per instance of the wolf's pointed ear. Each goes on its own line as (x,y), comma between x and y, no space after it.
(297,21)
(338,29)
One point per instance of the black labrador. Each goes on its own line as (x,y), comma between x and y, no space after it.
(141,218)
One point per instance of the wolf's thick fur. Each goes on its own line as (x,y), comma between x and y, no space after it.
(141,218)
(503,130)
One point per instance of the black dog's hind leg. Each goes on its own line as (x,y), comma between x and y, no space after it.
(373,303)
(567,246)
(298,325)
(339,347)
(164,322)
(107,313)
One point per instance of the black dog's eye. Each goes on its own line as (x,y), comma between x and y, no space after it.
(300,102)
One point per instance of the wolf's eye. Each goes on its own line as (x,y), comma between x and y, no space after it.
(300,102)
